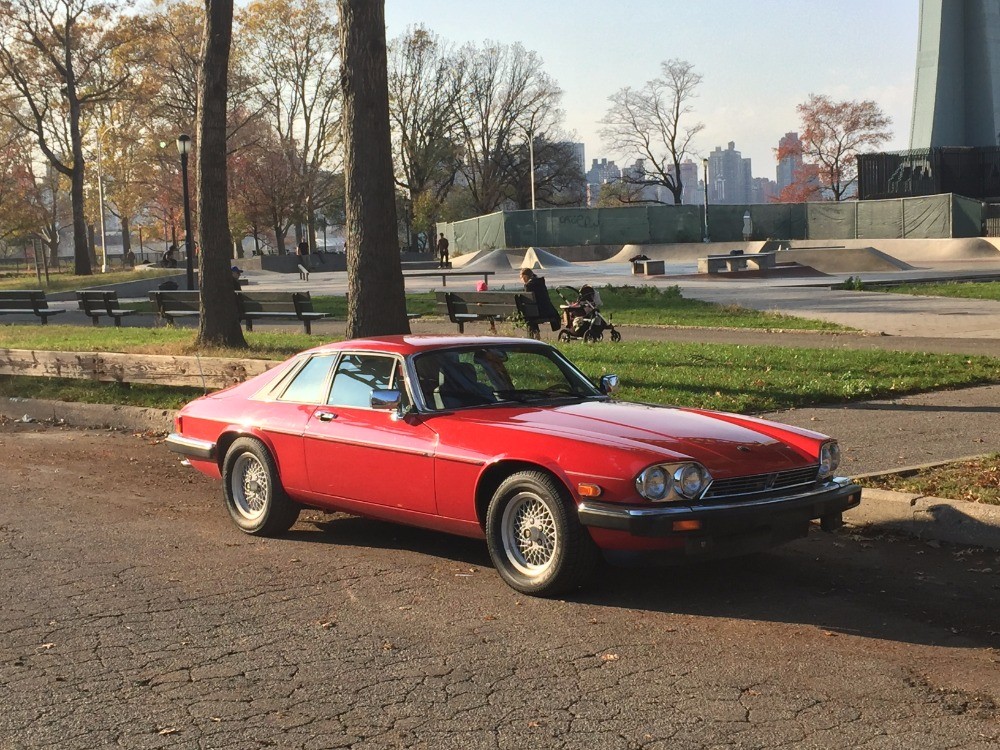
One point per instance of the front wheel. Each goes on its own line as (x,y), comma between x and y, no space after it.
(615,336)
(536,542)
(563,335)
(255,499)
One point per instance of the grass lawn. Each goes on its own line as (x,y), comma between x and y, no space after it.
(977,481)
(963,289)
(644,305)
(747,379)
(649,305)
(62,282)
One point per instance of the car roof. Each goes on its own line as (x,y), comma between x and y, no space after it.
(416,344)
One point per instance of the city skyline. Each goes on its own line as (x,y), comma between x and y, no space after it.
(749,91)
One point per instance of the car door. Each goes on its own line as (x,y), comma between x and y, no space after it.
(358,453)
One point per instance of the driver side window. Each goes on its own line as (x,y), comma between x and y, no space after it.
(356,376)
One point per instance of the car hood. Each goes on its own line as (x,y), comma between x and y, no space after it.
(719,441)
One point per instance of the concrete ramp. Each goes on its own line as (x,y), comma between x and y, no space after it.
(537,257)
(681,252)
(489,260)
(461,261)
(843,259)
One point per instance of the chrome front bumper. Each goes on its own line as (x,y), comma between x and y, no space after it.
(722,518)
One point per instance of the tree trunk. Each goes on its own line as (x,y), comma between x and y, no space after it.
(81,246)
(126,238)
(220,321)
(376,298)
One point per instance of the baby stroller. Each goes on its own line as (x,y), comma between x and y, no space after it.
(582,318)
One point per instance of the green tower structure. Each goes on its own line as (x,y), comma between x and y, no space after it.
(956,101)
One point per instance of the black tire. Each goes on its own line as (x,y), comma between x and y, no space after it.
(593,336)
(536,542)
(563,335)
(616,336)
(255,499)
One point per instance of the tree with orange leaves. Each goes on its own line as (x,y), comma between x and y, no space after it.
(833,133)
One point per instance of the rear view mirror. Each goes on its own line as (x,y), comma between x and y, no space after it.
(386,400)
(608,384)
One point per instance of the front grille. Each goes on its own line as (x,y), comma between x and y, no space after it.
(761,485)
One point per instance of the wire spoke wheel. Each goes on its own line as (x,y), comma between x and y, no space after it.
(250,486)
(254,495)
(530,536)
(536,541)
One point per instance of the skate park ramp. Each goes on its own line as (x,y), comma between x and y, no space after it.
(461,261)
(489,260)
(537,257)
(843,259)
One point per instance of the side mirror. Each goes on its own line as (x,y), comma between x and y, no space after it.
(608,384)
(386,400)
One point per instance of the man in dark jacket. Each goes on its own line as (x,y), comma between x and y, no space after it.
(546,311)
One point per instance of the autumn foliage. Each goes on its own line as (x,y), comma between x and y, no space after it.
(833,134)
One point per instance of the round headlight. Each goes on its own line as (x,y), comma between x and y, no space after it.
(652,483)
(829,459)
(690,480)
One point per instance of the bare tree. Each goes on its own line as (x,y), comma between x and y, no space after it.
(833,133)
(220,321)
(652,122)
(423,92)
(295,45)
(54,55)
(506,99)
(376,299)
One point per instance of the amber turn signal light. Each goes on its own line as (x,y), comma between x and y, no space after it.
(687,525)
(589,490)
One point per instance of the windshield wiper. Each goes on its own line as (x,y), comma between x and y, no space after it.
(527,395)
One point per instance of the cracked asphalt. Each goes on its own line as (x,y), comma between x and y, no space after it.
(134,615)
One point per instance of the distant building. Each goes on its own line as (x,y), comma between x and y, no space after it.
(763,190)
(600,173)
(789,165)
(579,155)
(729,176)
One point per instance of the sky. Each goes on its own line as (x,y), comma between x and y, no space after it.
(758,58)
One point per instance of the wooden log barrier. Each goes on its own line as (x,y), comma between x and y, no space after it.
(198,372)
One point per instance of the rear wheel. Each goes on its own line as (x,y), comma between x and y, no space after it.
(536,542)
(255,499)
(593,336)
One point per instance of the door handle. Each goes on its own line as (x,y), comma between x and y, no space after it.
(325,416)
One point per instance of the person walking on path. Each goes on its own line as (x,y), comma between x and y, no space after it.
(442,248)
(303,252)
(546,311)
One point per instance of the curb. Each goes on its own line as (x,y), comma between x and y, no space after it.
(929,518)
(75,414)
(918,516)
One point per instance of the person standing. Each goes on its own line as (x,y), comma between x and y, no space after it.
(303,252)
(442,248)
(546,310)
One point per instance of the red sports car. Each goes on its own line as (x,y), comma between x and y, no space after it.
(506,439)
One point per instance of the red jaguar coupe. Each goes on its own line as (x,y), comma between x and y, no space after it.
(506,439)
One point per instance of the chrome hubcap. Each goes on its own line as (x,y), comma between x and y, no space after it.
(250,486)
(529,534)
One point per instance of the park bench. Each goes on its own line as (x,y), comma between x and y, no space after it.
(739,262)
(26,302)
(469,307)
(444,273)
(97,303)
(175,303)
(278,306)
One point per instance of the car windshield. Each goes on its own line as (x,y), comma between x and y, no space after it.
(481,376)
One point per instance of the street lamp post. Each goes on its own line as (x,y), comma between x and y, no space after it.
(531,165)
(704,165)
(184,148)
(100,201)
